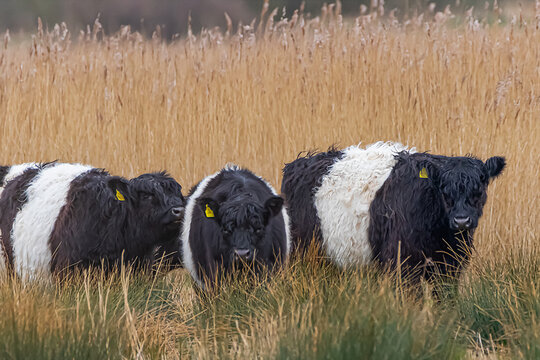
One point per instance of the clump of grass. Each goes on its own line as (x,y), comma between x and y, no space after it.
(498,302)
(314,310)
(35,324)
(89,315)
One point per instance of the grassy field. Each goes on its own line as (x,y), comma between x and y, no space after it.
(258,97)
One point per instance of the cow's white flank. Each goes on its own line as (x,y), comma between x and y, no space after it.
(344,197)
(34,223)
(187,255)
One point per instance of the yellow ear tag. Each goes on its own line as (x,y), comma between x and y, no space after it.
(119,196)
(208,212)
(423,173)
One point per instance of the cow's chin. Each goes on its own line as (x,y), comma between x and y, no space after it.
(170,231)
(235,263)
(172,224)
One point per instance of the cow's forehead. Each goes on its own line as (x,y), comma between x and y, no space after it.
(153,177)
(242,213)
(156,182)
(463,162)
(463,176)
(463,167)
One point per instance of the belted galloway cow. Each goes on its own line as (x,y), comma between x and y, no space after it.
(388,203)
(234,220)
(56,217)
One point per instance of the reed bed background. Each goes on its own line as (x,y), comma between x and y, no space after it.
(257,95)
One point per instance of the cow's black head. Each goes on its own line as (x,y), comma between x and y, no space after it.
(243,222)
(155,201)
(463,182)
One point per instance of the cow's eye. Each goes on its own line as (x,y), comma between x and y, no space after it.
(226,232)
(259,232)
(147,196)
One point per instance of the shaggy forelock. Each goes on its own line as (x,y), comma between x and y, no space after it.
(240,212)
(463,176)
(156,182)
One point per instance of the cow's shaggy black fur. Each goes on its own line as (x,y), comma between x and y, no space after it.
(94,227)
(426,220)
(430,221)
(3,172)
(167,256)
(245,226)
(300,180)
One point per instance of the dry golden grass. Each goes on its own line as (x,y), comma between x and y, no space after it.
(260,96)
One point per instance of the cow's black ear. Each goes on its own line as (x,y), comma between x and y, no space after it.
(273,206)
(119,187)
(209,207)
(495,165)
(428,171)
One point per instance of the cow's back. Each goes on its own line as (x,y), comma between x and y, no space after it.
(8,173)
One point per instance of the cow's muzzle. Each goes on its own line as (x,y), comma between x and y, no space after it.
(461,223)
(173,216)
(243,255)
(177,213)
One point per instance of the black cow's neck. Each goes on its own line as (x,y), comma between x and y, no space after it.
(137,239)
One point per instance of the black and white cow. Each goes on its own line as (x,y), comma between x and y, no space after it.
(376,202)
(233,218)
(59,216)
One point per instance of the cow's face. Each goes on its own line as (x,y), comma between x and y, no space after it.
(243,223)
(156,202)
(463,182)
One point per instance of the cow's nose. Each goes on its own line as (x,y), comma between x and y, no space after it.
(242,254)
(177,211)
(462,222)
